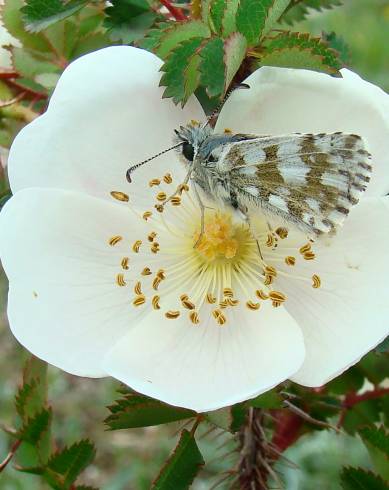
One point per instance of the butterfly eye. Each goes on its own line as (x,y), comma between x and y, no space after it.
(188,151)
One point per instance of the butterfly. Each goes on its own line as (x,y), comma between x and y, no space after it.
(311,181)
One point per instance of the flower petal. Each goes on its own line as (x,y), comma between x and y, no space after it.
(348,315)
(282,101)
(105,115)
(206,367)
(65,305)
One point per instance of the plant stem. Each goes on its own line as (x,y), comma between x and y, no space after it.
(176,13)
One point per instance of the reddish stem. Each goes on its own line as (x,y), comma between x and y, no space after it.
(176,13)
(10,455)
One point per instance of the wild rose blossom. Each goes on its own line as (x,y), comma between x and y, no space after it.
(101,283)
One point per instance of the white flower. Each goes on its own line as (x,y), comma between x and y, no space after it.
(99,288)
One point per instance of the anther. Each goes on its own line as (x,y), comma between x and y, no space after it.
(124,263)
(120,196)
(172,314)
(136,246)
(211,298)
(138,288)
(261,294)
(282,232)
(309,256)
(253,306)
(155,247)
(219,317)
(305,248)
(316,281)
(228,292)
(290,260)
(188,304)
(154,182)
(194,317)
(139,300)
(120,280)
(176,200)
(161,196)
(146,271)
(167,178)
(147,215)
(151,236)
(114,240)
(155,303)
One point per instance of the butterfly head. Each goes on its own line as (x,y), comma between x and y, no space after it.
(191,136)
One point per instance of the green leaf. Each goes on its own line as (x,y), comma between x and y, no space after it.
(230,418)
(175,70)
(296,50)
(299,9)
(40,14)
(142,411)
(212,67)
(270,399)
(12,19)
(376,441)
(179,32)
(359,479)
(128,20)
(35,427)
(71,461)
(255,18)
(234,53)
(182,466)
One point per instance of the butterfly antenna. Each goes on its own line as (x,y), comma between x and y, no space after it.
(226,97)
(134,167)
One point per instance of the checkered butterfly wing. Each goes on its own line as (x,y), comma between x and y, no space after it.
(309,180)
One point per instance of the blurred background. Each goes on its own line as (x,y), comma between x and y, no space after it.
(131,459)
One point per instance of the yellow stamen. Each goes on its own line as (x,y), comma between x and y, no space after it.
(115,240)
(120,196)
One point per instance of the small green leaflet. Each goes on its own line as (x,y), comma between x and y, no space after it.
(39,14)
(359,479)
(142,411)
(182,466)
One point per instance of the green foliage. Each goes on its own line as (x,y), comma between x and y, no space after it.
(40,14)
(299,9)
(141,411)
(129,20)
(254,19)
(71,461)
(181,467)
(359,479)
(296,50)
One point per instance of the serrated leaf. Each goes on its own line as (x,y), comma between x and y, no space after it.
(295,50)
(174,77)
(178,33)
(35,427)
(212,67)
(142,411)
(128,20)
(229,17)
(182,466)
(254,19)
(234,53)
(359,479)
(299,9)
(12,20)
(71,461)
(269,400)
(40,14)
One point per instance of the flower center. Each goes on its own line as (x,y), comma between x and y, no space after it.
(207,271)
